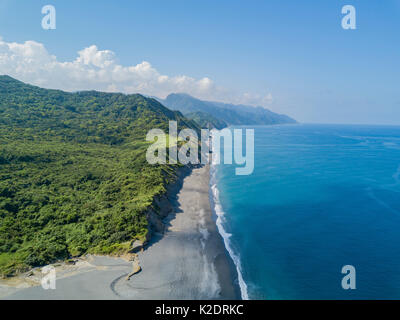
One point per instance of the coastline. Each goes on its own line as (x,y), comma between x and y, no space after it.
(187,261)
(219,214)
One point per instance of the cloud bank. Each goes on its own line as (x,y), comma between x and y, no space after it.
(95,69)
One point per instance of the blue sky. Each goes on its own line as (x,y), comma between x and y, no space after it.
(294,51)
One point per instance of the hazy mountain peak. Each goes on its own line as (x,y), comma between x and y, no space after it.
(230,114)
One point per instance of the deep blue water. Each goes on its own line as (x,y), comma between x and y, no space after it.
(320,197)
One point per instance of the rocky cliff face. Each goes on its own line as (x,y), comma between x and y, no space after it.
(164,205)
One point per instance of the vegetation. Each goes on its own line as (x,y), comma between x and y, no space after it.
(229,114)
(206,120)
(73,174)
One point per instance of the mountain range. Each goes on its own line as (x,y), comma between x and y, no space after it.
(220,115)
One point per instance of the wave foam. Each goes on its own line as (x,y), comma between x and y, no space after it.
(225,235)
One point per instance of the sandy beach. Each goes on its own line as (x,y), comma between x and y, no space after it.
(187,261)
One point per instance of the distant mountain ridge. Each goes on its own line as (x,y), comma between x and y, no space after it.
(230,114)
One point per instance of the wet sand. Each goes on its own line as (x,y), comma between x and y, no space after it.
(188,261)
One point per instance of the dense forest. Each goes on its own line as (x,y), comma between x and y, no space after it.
(206,120)
(73,173)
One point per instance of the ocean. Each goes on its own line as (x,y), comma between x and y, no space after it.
(320,197)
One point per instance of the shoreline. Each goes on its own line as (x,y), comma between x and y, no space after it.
(187,261)
(219,215)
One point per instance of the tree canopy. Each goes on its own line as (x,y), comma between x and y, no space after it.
(73,173)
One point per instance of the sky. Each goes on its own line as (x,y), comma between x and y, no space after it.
(290,56)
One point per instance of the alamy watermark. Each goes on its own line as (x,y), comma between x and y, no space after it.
(49,20)
(183,147)
(349,280)
(349,20)
(49,279)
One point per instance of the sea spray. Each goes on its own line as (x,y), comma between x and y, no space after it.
(219,212)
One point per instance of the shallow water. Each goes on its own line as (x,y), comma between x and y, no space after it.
(320,197)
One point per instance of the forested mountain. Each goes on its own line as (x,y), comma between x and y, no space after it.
(228,113)
(73,173)
(206,120)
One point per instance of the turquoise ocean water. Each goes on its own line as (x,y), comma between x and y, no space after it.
(320,197)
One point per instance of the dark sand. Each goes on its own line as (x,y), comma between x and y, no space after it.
(188,261)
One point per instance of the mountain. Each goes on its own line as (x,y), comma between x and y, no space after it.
(228,113)
(206,120)
(87,116)
(73,174)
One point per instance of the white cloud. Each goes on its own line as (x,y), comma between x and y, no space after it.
(95,69)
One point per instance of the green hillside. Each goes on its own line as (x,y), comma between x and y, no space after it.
(73,173)
(206,120)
